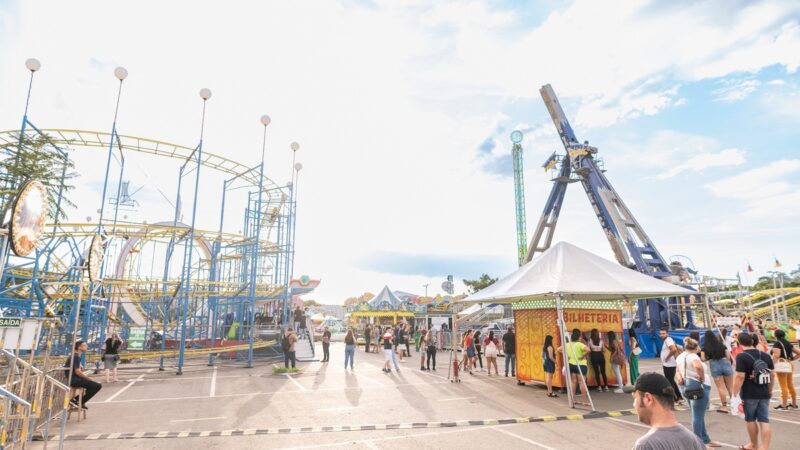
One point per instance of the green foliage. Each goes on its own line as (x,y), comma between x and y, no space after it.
(481,283)
(791,279)
(282,370)
(38,159)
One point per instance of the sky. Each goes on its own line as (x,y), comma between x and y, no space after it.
(403,112)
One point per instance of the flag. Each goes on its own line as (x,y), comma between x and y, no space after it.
(749,267)
(778,264)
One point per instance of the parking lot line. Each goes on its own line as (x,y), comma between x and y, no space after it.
(524,439)
(295,382)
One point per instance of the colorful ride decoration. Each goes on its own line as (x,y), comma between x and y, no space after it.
(385,305)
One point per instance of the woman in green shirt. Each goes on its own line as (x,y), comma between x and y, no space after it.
(576,355)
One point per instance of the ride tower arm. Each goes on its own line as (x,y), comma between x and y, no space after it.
(629,242)
(546,227)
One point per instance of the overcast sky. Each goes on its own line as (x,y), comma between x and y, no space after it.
(403,112)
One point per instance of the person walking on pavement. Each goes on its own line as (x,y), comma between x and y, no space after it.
(492,347)
(549,364)
(388,351)
(719,360)
(477,342)
(326,345)
(298,317)
(753,384)
(654,402)
(695,377)
(419,341)
(633,358)
(469,345)
(349,348)
(77,378)
(376,343)
(289,354)
(367,337)
(408,339)
(576,358)
(510,351)
(111,355)
(617,349)
(783,353)
(597,358)
(668,353)
(431,345)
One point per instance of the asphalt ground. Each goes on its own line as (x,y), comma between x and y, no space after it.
(326,406)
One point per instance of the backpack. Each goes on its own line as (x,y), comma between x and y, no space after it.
(761,370)
(285,343)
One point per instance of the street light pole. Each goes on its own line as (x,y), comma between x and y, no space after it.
(426,289)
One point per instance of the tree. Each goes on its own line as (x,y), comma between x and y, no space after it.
(311,303)
(481,283)
(38,159)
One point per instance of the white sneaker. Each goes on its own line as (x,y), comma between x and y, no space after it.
(619,391)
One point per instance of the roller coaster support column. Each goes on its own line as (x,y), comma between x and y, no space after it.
(120,73)
(251,300)
(186,273)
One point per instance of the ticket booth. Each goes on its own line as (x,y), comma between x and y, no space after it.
(534,320)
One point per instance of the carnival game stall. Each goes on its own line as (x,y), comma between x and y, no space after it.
(385,309)
(562,289)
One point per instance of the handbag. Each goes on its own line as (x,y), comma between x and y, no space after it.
(637,351)
(694,393)
(783,365)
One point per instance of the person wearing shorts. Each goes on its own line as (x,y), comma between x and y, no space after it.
(388,350)
(576,356)
(755,391)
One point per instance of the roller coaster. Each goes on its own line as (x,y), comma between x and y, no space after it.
(171,288)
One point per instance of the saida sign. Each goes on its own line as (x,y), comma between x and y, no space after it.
(10,322)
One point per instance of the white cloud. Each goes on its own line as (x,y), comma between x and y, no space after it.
(766,191)
(698,163)
(387,101)
(735,90)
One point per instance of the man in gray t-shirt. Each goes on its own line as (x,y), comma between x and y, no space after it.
(654,401)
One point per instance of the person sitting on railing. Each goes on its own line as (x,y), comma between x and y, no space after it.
(79,379)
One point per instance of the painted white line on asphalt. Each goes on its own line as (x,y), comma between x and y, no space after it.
(394,438)
(772,417)
(523,439)
(280,392)
(116,394)
(213,383)
(295,382)
(641,425)
(454,399)
(339,408)
(201,418)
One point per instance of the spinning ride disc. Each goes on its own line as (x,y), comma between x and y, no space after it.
(28,214)
(95,258)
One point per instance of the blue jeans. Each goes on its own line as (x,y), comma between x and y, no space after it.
(699,410)
(511,358)
(349,354)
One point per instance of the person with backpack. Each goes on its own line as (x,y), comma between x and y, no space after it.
(753,384)
(783,353)
(288,346)
(326,345)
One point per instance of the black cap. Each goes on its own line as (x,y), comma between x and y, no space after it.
(654,383)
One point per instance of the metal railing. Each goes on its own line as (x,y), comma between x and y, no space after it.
(32,400)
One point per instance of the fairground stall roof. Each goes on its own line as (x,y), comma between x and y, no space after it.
(575,274)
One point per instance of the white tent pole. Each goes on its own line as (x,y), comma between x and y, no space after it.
(560,313)
(566,340)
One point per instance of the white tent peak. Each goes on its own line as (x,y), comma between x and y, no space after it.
(577,274)
(386,295)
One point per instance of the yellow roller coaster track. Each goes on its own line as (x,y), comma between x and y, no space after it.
(766,293)
(98,139)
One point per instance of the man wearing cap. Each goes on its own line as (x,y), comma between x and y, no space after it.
(654,401)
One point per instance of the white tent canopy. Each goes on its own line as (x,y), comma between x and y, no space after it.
(386,295)
(574,274)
